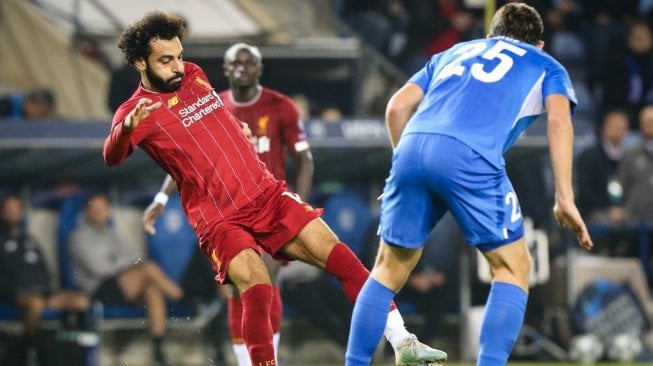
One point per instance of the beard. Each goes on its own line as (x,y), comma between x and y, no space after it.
(161,84)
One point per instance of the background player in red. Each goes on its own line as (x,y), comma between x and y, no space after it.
(232,201)
(276,128)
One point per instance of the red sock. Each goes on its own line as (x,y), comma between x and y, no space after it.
(257,329)
(235,319)
(348,269)
(235,315)
(276,312)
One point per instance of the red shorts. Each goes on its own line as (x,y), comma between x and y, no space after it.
(267,223)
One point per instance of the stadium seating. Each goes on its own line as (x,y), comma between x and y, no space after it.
(10,318)
(349,216)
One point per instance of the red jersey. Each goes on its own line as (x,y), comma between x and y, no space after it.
(275,124)
(199,143)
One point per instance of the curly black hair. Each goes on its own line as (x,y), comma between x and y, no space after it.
(135,40)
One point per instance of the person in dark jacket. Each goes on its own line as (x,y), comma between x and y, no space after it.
(24,275)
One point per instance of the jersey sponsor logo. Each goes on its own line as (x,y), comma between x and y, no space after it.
(173,101)
(201,107)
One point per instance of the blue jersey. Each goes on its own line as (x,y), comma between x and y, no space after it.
(486,92)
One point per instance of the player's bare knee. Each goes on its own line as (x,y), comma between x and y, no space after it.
(253,278)
(309,250)
(520,265)
(393,265)
(247,269)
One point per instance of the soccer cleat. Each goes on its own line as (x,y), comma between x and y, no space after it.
(412,352)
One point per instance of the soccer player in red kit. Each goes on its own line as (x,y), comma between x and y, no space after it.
(276,128)
(234,204)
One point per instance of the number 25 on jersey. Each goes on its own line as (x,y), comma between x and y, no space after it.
(502,51)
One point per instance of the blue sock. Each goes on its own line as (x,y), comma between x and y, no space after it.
(368,322)
(502,321)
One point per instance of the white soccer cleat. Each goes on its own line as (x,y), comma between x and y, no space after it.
(412,352)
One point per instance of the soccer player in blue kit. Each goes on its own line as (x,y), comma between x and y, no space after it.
(450,126)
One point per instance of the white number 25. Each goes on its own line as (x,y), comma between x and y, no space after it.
(498,51)
(511,199)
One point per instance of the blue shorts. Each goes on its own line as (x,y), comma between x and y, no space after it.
(432,174)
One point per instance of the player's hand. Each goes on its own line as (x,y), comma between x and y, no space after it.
(142,110)
(152,212)
(246,130)
(568,216)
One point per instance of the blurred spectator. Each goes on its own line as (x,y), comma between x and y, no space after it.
(628,76)
(636,174)
(434,26)
(452,23)
(380,23)
(633,189)
(606,11)
(108,269)
(607,27)
(331,114)
(303,105)
(36,104)
(597,168)
(563,30)
(599,196)
(24,276)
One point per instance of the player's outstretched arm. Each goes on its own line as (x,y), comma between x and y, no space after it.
(155,209)
(561,143)
(117,145)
